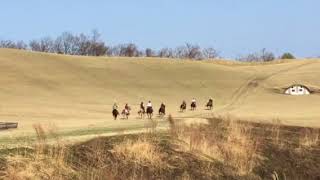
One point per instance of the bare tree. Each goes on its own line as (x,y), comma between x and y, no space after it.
(193,51)
(180,52)
(12,44)
(129,50)
(114,51)
(46,44)
(98,47)
(210,53)
(263,56)
(150,52)
(67,44)
(266,55)
(35,45)
(166,53)
(84,45)
(21,45)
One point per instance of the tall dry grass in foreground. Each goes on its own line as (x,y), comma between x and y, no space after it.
(222,148)
(227,141)
(309,137)
(141,151)
(43,162)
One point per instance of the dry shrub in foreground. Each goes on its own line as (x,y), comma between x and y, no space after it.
(140,151)
(275,131)
(124,158)
(45,162)
(228,141)
(309,137)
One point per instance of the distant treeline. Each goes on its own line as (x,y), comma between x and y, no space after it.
(93,45)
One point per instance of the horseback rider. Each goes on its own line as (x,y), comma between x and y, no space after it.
(193,104)
(210,100)
(184,103)
(149,105)
(115,106)
(183,106)
(162,105)
(210,103)
(142,107)
(162,109)
(115,111)
(149,110)
(127,107)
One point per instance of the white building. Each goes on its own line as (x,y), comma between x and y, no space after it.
(297,90)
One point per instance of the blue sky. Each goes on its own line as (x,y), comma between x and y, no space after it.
(234,27)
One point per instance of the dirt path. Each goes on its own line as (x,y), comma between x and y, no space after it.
(252,84)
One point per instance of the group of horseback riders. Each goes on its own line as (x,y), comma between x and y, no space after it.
(149,110)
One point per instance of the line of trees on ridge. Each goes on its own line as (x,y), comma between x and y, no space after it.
(93,45)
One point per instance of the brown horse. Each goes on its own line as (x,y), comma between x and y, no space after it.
(209,104)
(193,106)
(162,110)
(149,112)
(126,112)
(183,106)
(115,113)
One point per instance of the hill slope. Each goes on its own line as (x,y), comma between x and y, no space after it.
(78,92)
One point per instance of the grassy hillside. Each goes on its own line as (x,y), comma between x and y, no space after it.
(72,92)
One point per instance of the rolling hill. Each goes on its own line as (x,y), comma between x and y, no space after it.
(72,92)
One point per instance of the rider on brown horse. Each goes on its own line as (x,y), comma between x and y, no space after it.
(162,109)
(115,111)
(183,106)
(126,111)
(149,110)
(193,104)
(210,103)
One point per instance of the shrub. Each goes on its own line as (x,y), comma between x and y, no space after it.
(287,56)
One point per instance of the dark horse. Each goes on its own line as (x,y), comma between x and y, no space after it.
(115,113)
(193,106)
(162,110)
(183,106)
(149,112)
(210,104)
(142,111)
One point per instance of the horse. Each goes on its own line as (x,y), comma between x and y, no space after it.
(193,106)
(149,112)
(162,110)
(209,104)
(115,113)
(183,107)
(125,113)
(141,113)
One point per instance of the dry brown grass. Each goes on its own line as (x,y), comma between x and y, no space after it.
(70,104)
(309,137)
(141,151)
(45,162)
(225,141)
(229,142)
(275,131)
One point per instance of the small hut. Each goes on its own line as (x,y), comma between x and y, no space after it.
(297,89)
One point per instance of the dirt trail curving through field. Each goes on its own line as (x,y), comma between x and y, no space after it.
(252,84)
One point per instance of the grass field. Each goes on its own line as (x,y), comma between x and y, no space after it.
(75,94)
